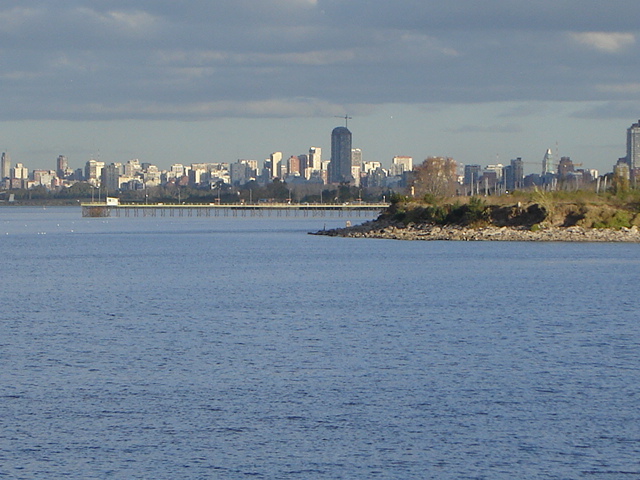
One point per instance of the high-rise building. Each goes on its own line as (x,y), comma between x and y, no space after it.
(293,166)
(355,175)
(5,166)
(633,145)
(110,177)
(44,178)
(547,163)
(240,172)
(472,174)
(401,164)
(315,158)
(132,167)
(177,170)
(93,171)
(275,162)
(368,167)
(19,171)
(514,174)
(565,167)
(340,166)
(304,163)
(518,172)
(61,166)
(496,167)
(356,157)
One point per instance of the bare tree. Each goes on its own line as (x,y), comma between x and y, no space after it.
(436,176)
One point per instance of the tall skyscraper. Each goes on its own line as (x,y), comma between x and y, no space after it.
(633,145)
(276,160)
(340,166)
(61,166)
(5,166)
(547,163)
(514,174)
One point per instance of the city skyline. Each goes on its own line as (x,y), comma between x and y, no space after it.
(346,166)
(49,158)
(475,82)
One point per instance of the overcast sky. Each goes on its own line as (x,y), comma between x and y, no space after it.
(210,80)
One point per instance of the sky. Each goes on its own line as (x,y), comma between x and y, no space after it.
(216,81)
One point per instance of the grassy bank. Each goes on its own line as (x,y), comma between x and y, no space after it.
(534,210)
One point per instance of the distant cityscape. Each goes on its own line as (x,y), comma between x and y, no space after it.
(345,166)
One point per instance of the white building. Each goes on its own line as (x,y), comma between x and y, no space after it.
(20,172)
(315,158)
(368,167)
(547,163)
(176,171)
(132,167)
(93,171)
(400,164)
(276,164)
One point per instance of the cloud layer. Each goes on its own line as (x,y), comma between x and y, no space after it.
(202,59)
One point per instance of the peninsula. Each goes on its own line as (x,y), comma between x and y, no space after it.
(539,216)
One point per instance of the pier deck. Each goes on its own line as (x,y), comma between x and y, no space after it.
(226,210)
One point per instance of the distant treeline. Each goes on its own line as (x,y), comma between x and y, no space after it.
(251,192)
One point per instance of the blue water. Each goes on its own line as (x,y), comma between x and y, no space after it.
(227,348)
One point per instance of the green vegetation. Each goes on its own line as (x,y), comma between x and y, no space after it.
(252,192)
(475,213)
(534,210)
(616,221)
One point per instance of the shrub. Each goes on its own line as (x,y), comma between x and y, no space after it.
(430,198)
(475,213)
(429,214)
(618,220)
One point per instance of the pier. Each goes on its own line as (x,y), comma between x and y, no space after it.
(110,209)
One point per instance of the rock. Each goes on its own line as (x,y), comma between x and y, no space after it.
(375,229)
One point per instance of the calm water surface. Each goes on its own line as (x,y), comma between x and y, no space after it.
(206,348)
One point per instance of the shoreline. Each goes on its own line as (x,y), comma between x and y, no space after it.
(430,232)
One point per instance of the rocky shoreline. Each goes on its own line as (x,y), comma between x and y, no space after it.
(398,231)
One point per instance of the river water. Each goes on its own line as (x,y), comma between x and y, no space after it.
(226,348)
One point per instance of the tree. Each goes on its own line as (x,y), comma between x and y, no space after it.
(620,181)
(436,176)
(277,190)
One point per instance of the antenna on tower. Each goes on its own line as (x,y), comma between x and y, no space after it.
(346,120)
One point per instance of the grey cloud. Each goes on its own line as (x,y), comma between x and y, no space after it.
(526,110)
(199,59)
(610,110)
(540,15)
(510,128)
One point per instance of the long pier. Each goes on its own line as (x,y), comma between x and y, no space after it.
(230,210)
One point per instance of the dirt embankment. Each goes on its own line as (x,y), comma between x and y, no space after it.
(557,223)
